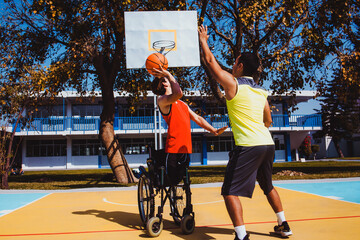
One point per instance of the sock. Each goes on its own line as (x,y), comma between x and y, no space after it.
(280,217)
(240,231)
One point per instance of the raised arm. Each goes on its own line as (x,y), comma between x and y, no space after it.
(204,124)
(173,91)
(226,80)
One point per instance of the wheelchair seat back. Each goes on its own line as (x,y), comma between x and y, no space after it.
(176,170)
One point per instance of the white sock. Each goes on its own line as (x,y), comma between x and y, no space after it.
(240,231)
(280,217)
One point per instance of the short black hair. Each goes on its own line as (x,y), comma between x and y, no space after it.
(251,63)
(155,87)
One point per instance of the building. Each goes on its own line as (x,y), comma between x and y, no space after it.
(65,136)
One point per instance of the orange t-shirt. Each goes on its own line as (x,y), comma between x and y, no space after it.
(179,130)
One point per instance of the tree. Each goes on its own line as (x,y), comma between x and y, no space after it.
(18,94)
(339,30)
(82,42)
(271,29)
(340,110)
(305,147)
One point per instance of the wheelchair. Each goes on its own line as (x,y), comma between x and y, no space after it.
(155,182)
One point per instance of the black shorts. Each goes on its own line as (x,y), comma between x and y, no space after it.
(175,166)
(245,166)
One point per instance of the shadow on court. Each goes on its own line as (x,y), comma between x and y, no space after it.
(132,221)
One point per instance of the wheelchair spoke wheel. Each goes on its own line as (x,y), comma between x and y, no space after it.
(180,199)
(146,200)
(154,227)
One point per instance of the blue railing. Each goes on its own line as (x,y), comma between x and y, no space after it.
(297,120)
(55,124)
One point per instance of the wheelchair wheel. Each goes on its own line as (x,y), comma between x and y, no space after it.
(187,224)
(146,200)
(154,227)
(180,199)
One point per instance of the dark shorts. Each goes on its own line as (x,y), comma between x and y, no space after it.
(175,166)
(245,166)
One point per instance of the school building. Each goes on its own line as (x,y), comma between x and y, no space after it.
(66,135)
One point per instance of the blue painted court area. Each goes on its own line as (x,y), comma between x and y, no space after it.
(13,201)
(344,190)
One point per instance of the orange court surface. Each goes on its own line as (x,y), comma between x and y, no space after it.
(113,214)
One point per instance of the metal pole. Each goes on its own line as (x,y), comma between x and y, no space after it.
(155,122)
(160,129)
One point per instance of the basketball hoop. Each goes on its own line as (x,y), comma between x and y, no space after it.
(163,46)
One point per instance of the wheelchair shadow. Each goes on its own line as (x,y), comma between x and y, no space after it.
(132,221)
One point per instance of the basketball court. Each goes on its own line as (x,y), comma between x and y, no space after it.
(113,214)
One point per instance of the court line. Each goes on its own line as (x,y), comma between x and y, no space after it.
(131,230)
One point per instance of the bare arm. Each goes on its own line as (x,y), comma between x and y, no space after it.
(176,93)
(267,115)
(223,77)
(204,124)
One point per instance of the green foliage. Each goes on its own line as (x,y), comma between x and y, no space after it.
(315,148)
(272,29)
(339,30)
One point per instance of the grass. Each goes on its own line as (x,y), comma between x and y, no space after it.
(72,179)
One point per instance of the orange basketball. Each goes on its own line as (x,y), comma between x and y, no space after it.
(156,60)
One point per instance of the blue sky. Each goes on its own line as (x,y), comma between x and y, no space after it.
(308,107)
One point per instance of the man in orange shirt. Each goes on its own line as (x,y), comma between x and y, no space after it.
(177,115)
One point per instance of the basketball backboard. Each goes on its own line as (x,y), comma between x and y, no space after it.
(142,29)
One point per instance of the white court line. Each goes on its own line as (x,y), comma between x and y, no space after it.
(135,205)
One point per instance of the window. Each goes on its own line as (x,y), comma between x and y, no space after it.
(47,111)
(220,144)
(45,148)
(87,147)
(136,145)
(86,110)
(196,144)
(277,109)
(279,141)
(145,110)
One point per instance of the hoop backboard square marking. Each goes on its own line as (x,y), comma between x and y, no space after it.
(157,34)
(143,28)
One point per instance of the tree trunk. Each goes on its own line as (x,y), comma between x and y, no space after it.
(114,153)
(337,147)
(4,180)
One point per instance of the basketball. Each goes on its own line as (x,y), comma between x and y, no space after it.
(156,60)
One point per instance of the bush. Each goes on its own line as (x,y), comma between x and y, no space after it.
(305,147)
(315,149)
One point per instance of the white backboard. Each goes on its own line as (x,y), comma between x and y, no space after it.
(142,29)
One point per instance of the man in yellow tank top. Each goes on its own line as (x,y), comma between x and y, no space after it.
(250,117)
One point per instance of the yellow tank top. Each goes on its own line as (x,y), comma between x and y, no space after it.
(246,114)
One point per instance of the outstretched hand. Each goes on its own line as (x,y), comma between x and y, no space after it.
(203,36)
(220,131)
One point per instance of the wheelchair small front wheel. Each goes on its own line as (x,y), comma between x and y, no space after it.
(154,227)
(187,224)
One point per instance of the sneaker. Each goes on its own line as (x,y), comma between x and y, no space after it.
(245,238)
(283,229)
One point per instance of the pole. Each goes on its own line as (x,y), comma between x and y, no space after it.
(155,122)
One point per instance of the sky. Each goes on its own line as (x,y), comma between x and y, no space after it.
(308,107)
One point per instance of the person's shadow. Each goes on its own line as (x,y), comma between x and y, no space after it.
(132,220)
